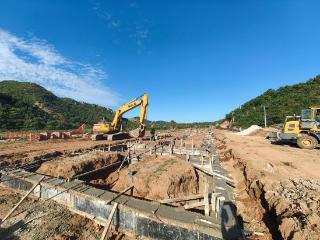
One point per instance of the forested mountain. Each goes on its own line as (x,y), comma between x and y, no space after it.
(28,106)
(279,103)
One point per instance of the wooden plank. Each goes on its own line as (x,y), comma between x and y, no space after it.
(126,159)
(106,228)
(206,198)
(22,199)
(213,201)
(206,204)
(180,199)
(120,193)
(213,174)
(194,205)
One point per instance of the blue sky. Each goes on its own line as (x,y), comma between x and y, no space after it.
(198,60)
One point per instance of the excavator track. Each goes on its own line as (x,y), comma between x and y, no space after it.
(111,137)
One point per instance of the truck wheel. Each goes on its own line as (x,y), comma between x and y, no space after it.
(307,142)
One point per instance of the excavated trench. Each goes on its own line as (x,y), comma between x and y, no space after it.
(279,209)
(154,177)
(253,207)
(256,192)
(71,166)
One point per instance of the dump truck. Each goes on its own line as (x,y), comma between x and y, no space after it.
(304,129)
(117,129)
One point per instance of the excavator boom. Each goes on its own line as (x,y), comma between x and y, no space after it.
(142,100)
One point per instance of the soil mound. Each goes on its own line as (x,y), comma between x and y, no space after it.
(263,132)
(259,133)
(71,166)
(156,178)
(225,124)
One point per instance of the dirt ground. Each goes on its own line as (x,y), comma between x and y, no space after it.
(26,152)
(156,178)
(189,137)
(70,166)
(277,186)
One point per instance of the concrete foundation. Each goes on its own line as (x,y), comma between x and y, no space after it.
(134,216)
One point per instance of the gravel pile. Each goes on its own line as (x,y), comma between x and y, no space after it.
(249,130)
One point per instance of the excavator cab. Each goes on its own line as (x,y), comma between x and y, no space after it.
(124,124)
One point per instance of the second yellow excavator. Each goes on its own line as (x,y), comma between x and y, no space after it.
(117,129)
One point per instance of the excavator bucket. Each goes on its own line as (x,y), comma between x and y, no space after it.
(138,132)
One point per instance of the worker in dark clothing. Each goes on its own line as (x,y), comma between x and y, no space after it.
(152,133)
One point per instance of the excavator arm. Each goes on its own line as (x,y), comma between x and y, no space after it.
(142,100)
(144,108)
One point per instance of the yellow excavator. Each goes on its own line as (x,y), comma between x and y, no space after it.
(117,129)
(304,130)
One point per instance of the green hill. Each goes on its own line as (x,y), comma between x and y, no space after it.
(28,106)
(279,103)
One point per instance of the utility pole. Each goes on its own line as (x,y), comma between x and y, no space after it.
(265,116)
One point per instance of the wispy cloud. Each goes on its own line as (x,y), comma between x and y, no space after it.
(137,30)
(37,61)
(140,34)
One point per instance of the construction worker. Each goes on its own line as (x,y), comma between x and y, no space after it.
(152,133)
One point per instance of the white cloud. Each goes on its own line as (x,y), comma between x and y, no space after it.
(35,60)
